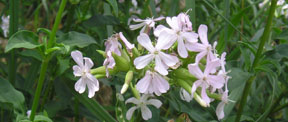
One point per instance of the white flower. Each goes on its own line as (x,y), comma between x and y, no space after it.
(28,113)
(185,95)
(5,25)
(169,36)
(147,23)
(206,79)
(142,104)
(113,45)
(204,49)
(162,60)
(151,83)
(280,2)
(220,107)
(185,22)
(83,70)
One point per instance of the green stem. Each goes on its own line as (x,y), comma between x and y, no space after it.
(39,88)
(45,61)
(244,97)
(13,27)
(263,40)
(52,37)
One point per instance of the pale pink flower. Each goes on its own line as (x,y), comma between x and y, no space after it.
(185,22)
(151,83)
(145,24)
(83,70)
(176,33)
(220,107)
(162,60)
(206,79)
(204,48)
(142,104)
(5,25)
(184,95)
(113,45)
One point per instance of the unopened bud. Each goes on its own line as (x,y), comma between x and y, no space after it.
(121,63)
(128,79)
(200,100)
(101,52)
(124,88)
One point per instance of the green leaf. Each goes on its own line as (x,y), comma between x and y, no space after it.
(76,39)
(8,94)
(32,53)
(114,5)
(41,118)
(23,39)
(100,20)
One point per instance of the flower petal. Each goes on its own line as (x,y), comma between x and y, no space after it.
(199,56)
(181,48)
(155,102)
(202,31)
(185,95)
(77,70)
(128,45)
(132,100)
(204,94)
(191,37)
(216,81)
(196,47)
(161,84)
(130,112)
(143,84)
(88,63)
(159,66)
(146,113)
(165,40)
(92,84)
(195,85)
(195,70)
(159,29)
(211,66)
(173,23)
(145,41)
(77,57)
(169,60)
(142,61)
(220,110)
(137,26)
(80,85)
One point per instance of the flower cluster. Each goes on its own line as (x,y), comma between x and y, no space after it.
(282,8)
(162,52)
(5,25)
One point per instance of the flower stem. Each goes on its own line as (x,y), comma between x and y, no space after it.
(39,88)
(264,39)
(13,27)
(52,36)
(45,61)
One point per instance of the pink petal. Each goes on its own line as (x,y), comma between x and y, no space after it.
(202,31)
(128,45)
(80,85)
(173,23)
(132,100)
(211,66)
(159,66)
(204,94)
(155,102)
(143,84)
(137,26)
(142,61)
(145,41)
(169,60)
(191,37)
(195,70)
(196,47)
(77,57)
(130,112)
(165,40)
(77,70)
(220,110)
(146,113)
(181,48)
(88,63)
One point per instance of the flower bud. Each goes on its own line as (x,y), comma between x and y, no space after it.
(101,52)
(128,79)
(121,63)
(184,74)
(200,100)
